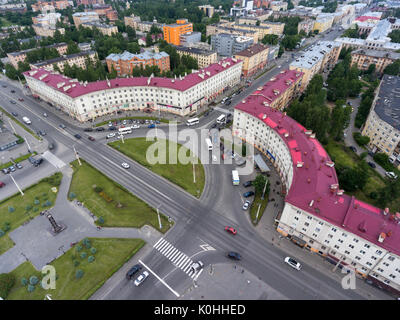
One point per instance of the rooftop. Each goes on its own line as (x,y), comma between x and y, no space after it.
(76,89)
(56,45)
(365,18)
(387,105)
(195,50)
(141,56)
(314,54)
(377,53)
(62,58)
(85,14)
(98,25)
(252,50)
(315,186)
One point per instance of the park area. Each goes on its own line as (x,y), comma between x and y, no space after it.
(110,202)
(180,174)
(18,209)
(79,272)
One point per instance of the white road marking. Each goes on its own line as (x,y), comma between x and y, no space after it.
(169,250)
(181,258)
(54,160)
(183,262)
(195,278)
(206,247)
(169,255)
(178,257)
(163,245)
(166,248)
(159,279)
(188,266)
(173,256)
(159,241)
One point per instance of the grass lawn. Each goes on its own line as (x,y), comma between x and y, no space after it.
(180,174)
(25,207)
(121,209)
(110,255)
(19,159)
(254,208)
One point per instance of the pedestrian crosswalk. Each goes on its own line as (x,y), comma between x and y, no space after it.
(178,258)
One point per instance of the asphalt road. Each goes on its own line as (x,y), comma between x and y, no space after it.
(198,222)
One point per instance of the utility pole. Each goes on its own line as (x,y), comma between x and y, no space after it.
(15,132)
(77,155)
(194,171)
(265,187)
(12,178)
(159,219)
(122,138)
(29,148)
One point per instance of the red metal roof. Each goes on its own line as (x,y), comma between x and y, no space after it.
(365,18)
(53,80)
(315,184)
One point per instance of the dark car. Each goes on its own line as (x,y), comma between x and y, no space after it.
(248,194)
(14,114)
(100,129)
(62,126)
(371,154)
(214,126)
(247,184)
(4,86)
(228,102)
(12,91)
(234,255)
(42,133)
(112,128)
(20,99)
(78,136)
(372,165)
(88,129)
(353,149)
(51,146)
(151,126)
(91,138)
(12,101)
(132,271)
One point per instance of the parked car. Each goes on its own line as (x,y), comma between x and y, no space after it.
(248,194)
(125,165)
(230,230)
(391,174)
(100,129)
(353,149)
(12,91)
(110,135)
(132,271)
(12,168)
(2,184)
(45,115)
(234,255)
(150,126)
(18,165)
(42,132)
(62,126)
(139,280)
(14,114)
(293,263)
(372,165)
(214,126)
(91,138)
(78,136)
(88,129)
(371,154)
(248,184)
(5,170)
(246,205)
(112,128)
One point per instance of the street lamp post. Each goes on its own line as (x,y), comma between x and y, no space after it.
(77,155)
(265,187)
(159,219)
(12,178)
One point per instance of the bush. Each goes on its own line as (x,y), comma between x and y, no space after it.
(72,195)
(373,195)
(383,160)
(6,226)
(100,220)
(33,280)
(93,250)
(76,263)
(24,281)
(83,255)
(79,274)
(2,233)
(35,209)
(28,207)
(86,243)
(361,140)
(79,248)
(98,189)
(31,288)
(11,209)
(6,283)
(48,203)
(90,259)
(36,201)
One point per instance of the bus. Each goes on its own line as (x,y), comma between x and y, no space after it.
(192,121)
(235,178)
(125,130)
(209,144)
(221,119)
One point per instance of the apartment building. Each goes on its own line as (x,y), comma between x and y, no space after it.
(104,10)
(49,19)
(85,46)
(173,32)
(132,21)
(124,63)
(254,58)
(84,17)
(13,7)
(105,29)
(50,5)
(307,25)
(189,38)
(204,57)
(214,29)
(208,10)
(323,22)
(383,122)
(317,215)
(46,31)
(321,57)
(89,2)
(20,56)
(182,96)
(278,5)
(227,44)
(77,59)
(363,58)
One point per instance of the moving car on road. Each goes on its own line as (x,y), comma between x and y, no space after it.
(91,138)
(230,230)
(125,165)
(248,194)
(100,129)
(197,266)
(132,271)
(88,129)
(62,126)
(12,101)
(14,114)
(234,255)
(20,99)
(45,115)
(293,263)
(143,276)
(77,135)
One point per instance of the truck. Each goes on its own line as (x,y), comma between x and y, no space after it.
(26,120)
(235,178)
(35,160)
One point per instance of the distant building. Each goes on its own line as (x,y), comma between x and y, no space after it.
(46,31)
(77,59)
(7,139)
(363,58)
(173,32)
(208,10)
(189,38)
(214,29)
(84,17)
(132,21)
(254,58)
(85,46)
(13,7)
(307,25)
(204,57)
(20,56)
(278,5)
(323,22)
(104,10)
(227,44)
(105,29)
(89,2)
(125,63)
(50,5)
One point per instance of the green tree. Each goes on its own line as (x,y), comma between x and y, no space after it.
(259,184)
(72,48)
(395,36)
(271,39)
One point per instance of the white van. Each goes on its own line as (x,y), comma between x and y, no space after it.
(391,174)
(26,120)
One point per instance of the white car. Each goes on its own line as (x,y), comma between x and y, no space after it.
(139,280)
(246,205)
(391,174)
(110,135)
(135,126)
(125,165)
(197,266)
(293,263)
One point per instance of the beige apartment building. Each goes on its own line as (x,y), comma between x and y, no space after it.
(383,122)
(132,21)
(105,29)
(204,57)
(84,17)
(46,31)
(363,58)
(278,5)
(213,29)
(77,59)
(254,58)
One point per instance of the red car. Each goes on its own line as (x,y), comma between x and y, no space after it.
(2,184)
(20,99)
(91,138)
(230,230)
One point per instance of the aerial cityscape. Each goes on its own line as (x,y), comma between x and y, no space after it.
(220,150)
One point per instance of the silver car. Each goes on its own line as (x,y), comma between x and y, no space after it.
(246,205)
(139,280)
